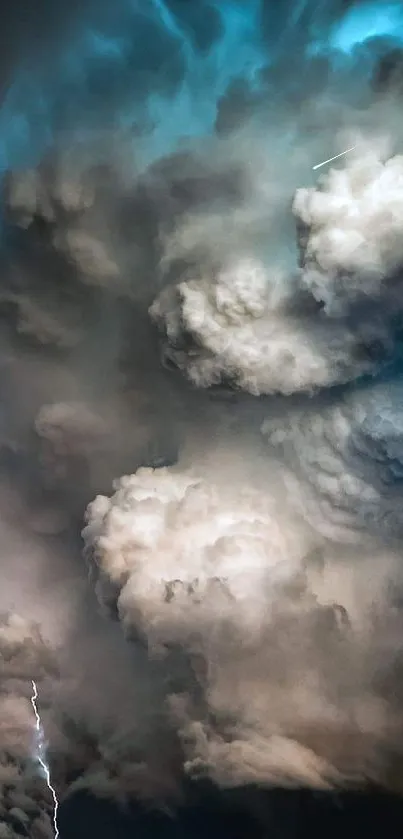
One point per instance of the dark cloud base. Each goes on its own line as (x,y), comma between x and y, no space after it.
(277,814)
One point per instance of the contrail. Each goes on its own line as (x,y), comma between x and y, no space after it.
(318,165)
(39,729)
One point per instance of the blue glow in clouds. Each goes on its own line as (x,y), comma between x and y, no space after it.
(141,66)
(41,757)
(369,21)
(158,68)
(238,53)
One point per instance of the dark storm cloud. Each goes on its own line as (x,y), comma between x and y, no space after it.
(25,808)
(259,650)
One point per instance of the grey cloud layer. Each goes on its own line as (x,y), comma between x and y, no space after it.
(257,648)
(25,805)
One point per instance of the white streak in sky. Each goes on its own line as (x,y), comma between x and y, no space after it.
(318,165)
(45,767)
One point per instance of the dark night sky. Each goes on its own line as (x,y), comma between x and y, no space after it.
(297,815)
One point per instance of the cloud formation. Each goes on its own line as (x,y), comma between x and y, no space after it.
(286,684)
(256,326)
(145,254)
(25,806)
(345,462)
(214,571)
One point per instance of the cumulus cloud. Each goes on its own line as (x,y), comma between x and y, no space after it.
(222,545)
(257,649)
(282,686)
(262,656)
(236,328)
(351,232)
(254,324)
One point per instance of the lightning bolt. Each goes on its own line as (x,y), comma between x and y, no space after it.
(318,165)
(45,767)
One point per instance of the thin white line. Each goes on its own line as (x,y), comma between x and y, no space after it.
(318,165)
(45,768)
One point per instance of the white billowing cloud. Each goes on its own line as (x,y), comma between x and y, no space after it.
(271,683)
(178,545)
(281,687)
(242,331)
(353,237)
(258,324)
